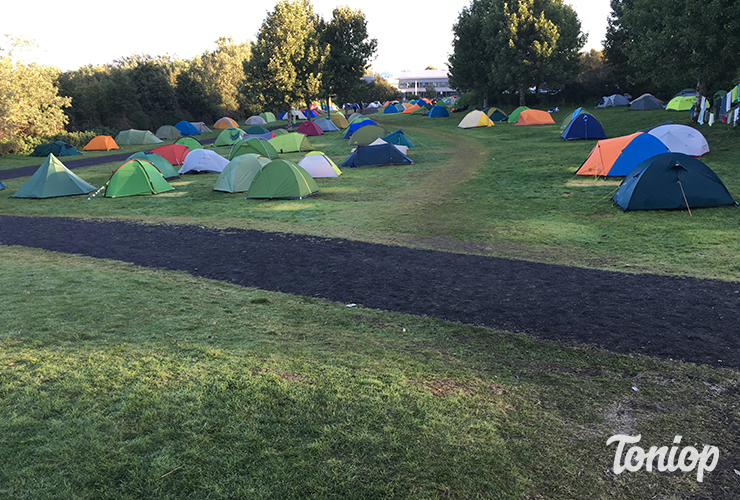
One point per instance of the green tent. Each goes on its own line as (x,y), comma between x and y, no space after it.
(268,117)
(257,130)
(135,177)
(282,179)
(253,145)
(279,131)
(131,136)
(363,136)
(229,136)
(237,176)
(53,179)
(166,132)
(189,142)
(514,116)
(291,143)
(57,148)
(164,166)
(681,103)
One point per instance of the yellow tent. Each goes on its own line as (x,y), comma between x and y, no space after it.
(475,119)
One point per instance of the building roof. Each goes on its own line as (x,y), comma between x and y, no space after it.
(423,74)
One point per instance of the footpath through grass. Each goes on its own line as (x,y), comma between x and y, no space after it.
(129,383)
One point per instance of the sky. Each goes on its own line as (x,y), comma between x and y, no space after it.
(83,33)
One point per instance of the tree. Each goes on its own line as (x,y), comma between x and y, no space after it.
(669,44)
(504,45)
(222,73)
(350,52)
(430,92)
(286,59)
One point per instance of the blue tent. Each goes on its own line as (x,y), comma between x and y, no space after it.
(438,111)
(354,126)
(380,154)
(398,138)
(639,149)
(2,186)
(326,125)
(671,181)
(186,128)
(583,126)
(391,108)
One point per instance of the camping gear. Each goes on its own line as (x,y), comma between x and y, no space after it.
(309,128)
(256,130)
(326,125)
(514,116)
(367,134)
(229,136)
(291,143)
(186,128)
(583,126)
(613,100)
(438,112)
(340,121)
(101,143)
(534,117)
(226,122)
(53,179)
(164,167)
(317,164)
(282,179)
(173,153)
(167,132)
(237,176)
(268,117)
(255,120)
(618,156)
(203,161)
(475,119)
(252,145)
(136,177)
(57,148)
(2,186)
(672,181)
(681,103)
(380,154)
(495,114)
(189,142)
(135,137)
(645,102)
(353,127)
(398,138)
(682,139)
(200,127)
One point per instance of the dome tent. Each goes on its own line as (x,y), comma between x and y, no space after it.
(475,119)
(229,136)
(101,143)
(309,128)
(132,137)
(380,154)
(164,167)
(237,176)
(225,122)
(291,143)
(681,139)
(203,161)
(166,132)
(253,145)
(671,181)
(57,148)
(52,179)
(173,153)
(189,142)
(282,179)
(186,128)
(618,156)
(317,164)
(136,177)
(583,126)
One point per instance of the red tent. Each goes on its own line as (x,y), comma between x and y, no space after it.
(309,128)
(173,153)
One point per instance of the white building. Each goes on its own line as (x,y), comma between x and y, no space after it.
(416,82)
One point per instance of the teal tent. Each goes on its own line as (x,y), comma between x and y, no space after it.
(57,148)
(164,166)
(53,179)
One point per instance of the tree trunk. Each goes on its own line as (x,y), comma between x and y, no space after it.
(522,99)
(290,119)
(701,90)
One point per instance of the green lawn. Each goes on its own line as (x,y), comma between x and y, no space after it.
(123,382)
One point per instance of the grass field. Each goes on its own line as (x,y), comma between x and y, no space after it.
(123,382)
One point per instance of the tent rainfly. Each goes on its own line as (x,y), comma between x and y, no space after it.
(136,177)
(282,179)
(203,161)
(53,179)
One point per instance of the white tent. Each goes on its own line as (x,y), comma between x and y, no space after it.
(200,126)
(614,100)
(203,161)
(681,139)
(317,164)
(255,120)
(475,118)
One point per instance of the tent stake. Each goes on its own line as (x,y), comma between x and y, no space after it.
(597,201)
(684,198)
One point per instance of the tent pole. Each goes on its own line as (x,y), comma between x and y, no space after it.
(684,197)
(604,197)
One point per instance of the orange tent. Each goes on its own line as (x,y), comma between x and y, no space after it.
(604,154)
(535,117)
(101,143)
(226,122)
(173,153)
(410,109)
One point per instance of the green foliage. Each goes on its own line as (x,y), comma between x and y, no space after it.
(350,52)
(379,90)
(285,68)
(430,92)
(222,73)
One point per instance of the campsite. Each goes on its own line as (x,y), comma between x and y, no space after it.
(471,324)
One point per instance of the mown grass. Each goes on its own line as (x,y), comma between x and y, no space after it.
(123,382)
(506,191)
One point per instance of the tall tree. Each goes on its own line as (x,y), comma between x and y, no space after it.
(351,51)
(222,72)
(285,68)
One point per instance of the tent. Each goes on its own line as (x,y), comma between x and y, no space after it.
(255,120)
(173,153)
(101,143)
(186,128)
(53,179)
(645,102)
(495,114)
(268,117)
(380,154)
(398,138)
(535,117)
(514,116)
(583,126)
(164,167)
(229,136)
(353,127)
(203,161)
(671,181)
(438,111)
(166,132)
(291,143)
(225,122)
(282,179)
(475,119)
(189,142)
(57,148)
(326,125)
(309,128)
(256,130)
(618,156)
(2,186)
(131,136)
(135,177)
(340,121)
(402,149)
(410,109)
(365,135)
(613,100)
(682,139)
(200,127)
(356,116)
(569,118)
(253,145)
(317,164)
(681,103)
(237,176)
(277,132)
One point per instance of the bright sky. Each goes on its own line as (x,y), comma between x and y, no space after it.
(83,32)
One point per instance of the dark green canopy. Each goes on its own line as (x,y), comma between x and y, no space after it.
(53,179)
(57,148)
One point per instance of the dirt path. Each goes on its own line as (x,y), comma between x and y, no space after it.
(680,318)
